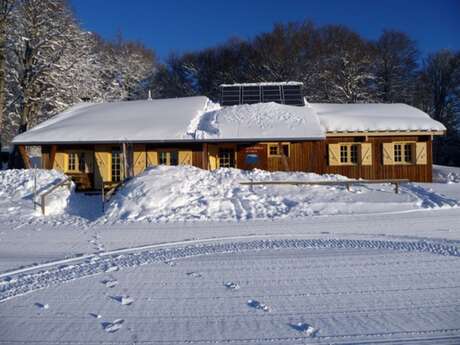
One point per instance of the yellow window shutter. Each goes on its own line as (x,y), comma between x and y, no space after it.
(139,161)
(388,154)
(212,157)
(366,154)
(60,161)
(185,157)
(103,165)
(334,154)
(420,153)
(152,158)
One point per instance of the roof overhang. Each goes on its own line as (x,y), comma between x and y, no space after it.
(381,133)
(183,141)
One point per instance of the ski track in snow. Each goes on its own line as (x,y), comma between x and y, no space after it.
(348,293)
(20,284)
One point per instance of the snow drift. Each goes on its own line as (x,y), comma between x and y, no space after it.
(185,193)
(63,206)
(261,120)
(445,174)
(16,192)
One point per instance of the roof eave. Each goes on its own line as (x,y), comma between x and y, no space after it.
(169,141)
(383,133)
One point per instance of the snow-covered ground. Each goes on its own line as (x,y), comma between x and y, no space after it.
(384,268)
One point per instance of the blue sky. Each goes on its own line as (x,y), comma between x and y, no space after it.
(178,26)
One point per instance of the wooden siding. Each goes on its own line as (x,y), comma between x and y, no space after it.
(307,156)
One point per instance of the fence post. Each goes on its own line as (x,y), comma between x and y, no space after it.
(397,187)
(103,198)
(35,190)
(348,186)
(43,204)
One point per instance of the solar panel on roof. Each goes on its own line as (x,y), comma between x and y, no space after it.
(283,93)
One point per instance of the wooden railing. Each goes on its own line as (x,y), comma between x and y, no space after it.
(347,183)
(108,190)
(66,182)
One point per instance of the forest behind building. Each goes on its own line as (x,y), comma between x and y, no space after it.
(49,62)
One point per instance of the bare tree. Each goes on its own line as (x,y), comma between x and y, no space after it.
(395,67)
(439,96)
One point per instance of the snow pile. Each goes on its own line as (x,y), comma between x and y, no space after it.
(63,206)
(374,117)
(16,192)
(445,174)
(184,193)
(261,120)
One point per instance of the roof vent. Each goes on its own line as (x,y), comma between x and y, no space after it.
(289,93)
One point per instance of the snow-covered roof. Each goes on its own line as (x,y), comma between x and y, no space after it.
(146,120)
(374,117)
(260,120)
(197,118)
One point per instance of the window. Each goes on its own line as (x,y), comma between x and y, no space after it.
(408,153)
(274,150)
(163,158)
(72,166)
(403,153)
(76,162)
(354,154)
(81,162)
(343,154)
(226,158)
(349,153)
(168,157)
(116,166)
(397,153)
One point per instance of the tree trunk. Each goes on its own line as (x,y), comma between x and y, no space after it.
(2,74)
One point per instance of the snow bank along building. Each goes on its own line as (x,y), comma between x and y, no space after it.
(265,126)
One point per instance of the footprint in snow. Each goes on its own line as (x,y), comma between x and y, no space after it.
(110,283)
(304,328)
(231,285)
(42,306)
(96,316)
(111,327)
(112,269)
(123,299)
(257,305)
(170,263)
(194,274)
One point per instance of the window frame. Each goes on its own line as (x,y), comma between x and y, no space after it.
(276,146)
(76,161)
(349,153)
(120,172)
(171,156)
(231,158)
(403,153)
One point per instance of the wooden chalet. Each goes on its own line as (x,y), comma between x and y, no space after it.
(266,126)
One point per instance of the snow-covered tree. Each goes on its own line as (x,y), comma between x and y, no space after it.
(345,66)
(45,31)
(6,7)
(53,63)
